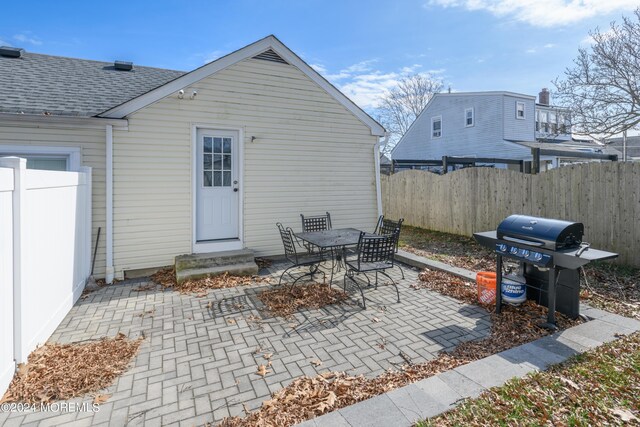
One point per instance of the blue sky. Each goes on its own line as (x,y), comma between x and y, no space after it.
(363,47)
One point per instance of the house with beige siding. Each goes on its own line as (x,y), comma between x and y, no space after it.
(194,162)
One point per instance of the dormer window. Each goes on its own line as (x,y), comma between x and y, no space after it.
(520,110)
(469,119)
(436,127)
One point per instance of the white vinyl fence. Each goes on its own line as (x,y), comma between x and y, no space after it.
(45,254)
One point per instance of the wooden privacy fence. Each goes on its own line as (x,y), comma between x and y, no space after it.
(603,196)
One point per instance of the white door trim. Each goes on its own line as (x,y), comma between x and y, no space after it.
(223,245)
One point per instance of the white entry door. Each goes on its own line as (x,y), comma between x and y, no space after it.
(217,194)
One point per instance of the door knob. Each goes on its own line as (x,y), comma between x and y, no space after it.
(235,190)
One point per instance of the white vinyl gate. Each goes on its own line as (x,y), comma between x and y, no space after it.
(45,255)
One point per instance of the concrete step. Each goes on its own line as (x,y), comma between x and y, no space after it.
(213,259)
(243,269)
(196,266)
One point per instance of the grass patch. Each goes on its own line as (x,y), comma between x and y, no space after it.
(600,387)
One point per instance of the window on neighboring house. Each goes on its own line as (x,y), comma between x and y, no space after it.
(520,110)
(564,123)
(544,121)
(468,117)
(552,122)
(436,127)
(537,121)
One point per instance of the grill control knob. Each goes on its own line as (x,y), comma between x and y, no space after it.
(525,253)
(502,247)
(537,256)
(513,250)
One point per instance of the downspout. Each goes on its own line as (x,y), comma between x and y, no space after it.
(376,159)
(109,214)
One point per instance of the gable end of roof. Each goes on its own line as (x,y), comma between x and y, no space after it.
(268,47)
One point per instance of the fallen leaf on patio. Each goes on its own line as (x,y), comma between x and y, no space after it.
(262,370)
(144,288)
(23,369)
(245,408)
(284,302)
(200,287)
(267,355)
(64,371)
(231,321)
(624,414)
(375,320)
(210,305)
(99,399)
(316,362)
(570,383)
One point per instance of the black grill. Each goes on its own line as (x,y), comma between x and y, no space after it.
(550,252)
(545,233)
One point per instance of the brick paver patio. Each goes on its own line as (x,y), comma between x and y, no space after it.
(199,359)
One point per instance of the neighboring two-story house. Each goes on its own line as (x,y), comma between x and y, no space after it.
(502,125)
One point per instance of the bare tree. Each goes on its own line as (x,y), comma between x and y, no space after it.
(602,89)
(400,106)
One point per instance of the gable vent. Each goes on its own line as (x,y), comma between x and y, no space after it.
(11,52)
(123,65)
(270,55)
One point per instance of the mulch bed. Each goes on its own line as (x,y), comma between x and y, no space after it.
(201,287)
(282,302)
(307,398)
(63,371)
(613,288)
(459,251)
(599,387)
(604,285)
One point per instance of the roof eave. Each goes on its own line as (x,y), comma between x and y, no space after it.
(249,51)
(58,120)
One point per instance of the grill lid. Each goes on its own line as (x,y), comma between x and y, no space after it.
(553,234)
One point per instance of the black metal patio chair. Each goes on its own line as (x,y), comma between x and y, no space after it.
(314,223)
(387,226)
(305,259)
(374,255)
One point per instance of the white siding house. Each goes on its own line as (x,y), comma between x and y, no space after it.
(202,161)
(496,125)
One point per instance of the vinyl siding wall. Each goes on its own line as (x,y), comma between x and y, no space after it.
(92,148)
(310,155)
(483,139)
(517,129)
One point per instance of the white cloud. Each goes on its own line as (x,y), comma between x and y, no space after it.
(542,13)
(532,50)
(366,85)
(212,56)
(26,37)
(549,45)
(319,68)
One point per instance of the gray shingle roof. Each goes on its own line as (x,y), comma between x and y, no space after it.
(633,145)
(36,83)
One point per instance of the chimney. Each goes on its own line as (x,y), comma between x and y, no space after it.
(543,96)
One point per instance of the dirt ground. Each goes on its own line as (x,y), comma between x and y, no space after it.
(604,285)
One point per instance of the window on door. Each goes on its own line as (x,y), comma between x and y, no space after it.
(216,161)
